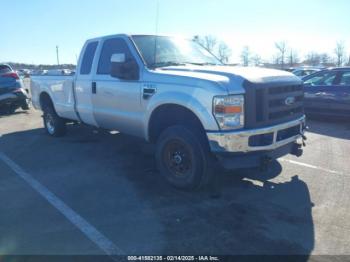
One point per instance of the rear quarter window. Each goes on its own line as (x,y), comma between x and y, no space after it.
(88,58)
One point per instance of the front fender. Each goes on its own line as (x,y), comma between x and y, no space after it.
(199,102)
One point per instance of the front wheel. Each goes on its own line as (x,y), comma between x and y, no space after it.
(183,158)
(54,125)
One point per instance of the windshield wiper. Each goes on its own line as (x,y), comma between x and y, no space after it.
(165,64)
(202,64)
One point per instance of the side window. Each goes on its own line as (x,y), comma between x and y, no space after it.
(345,79)
(110,47)
(88,57)
(322,79)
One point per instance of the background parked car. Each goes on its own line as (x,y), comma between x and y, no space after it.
(290,69)
(22,73)
(305,71)
(58,72)
(38,72)
(327,92)
(12,93)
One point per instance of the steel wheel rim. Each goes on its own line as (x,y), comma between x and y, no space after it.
(49,124)
(178,159)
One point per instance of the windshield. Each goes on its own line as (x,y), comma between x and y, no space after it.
(172,51)
(4,69)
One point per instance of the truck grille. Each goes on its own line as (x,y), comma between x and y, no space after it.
(269,105)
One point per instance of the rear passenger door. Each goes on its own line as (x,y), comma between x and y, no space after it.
(116,102)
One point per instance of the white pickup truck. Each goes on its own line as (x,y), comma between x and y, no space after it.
(174,93)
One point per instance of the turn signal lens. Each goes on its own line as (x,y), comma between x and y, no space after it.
(229,111)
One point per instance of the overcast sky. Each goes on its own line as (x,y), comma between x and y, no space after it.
(31,30)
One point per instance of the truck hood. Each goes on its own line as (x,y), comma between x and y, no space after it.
(232,77)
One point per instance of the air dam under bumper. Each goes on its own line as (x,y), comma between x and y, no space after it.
(245,148)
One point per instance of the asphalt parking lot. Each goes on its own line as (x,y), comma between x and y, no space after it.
(93,192)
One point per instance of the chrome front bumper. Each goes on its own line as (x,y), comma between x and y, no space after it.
(238,141)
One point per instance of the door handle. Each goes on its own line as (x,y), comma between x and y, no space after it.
(148,92)
(93,87)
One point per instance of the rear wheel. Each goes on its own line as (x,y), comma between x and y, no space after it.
(26,105)
(183,158)
(54,125)
(11,109)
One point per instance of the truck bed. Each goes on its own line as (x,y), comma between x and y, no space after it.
(60,89)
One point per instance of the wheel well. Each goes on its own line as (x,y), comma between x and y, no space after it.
(170,114)
(45,100)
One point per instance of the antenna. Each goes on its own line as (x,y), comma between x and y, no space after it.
(156,33)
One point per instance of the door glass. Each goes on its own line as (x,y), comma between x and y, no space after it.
(345,79)
(322,79)
(110,47)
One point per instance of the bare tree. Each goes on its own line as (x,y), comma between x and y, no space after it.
(325,58)
(224,53)
(208,42)
(196,38)
(256,60)
(282,48)
(340,53)
(276,59)
(293,57)
(245,55)
(313,58)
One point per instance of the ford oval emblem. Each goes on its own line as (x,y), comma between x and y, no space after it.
(290,100)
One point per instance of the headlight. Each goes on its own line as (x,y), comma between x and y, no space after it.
(229,111)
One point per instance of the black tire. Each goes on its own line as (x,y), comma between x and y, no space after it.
(26,105)
(11,110)
(183,158)
(54,125)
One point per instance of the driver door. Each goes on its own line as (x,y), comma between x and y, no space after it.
(116,102)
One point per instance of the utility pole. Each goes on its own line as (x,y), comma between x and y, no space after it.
(58,61)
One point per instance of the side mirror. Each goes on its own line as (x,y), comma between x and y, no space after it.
(118,58)
(124,69)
